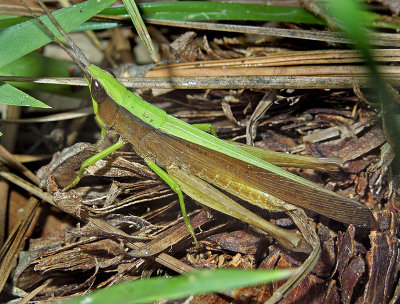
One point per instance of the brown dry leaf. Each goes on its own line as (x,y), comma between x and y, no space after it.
(239,241)
(169,237)
(383,260)
(184,48)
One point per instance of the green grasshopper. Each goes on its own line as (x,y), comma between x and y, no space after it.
(190,160)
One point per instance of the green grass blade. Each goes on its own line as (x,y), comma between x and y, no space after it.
(23,38)
(37,65)
(9,20)
(141,28)
(206,10)
(352,20)
(197,282)
(12,96)
(190,11)
(94,26)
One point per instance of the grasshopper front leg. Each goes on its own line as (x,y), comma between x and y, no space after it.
(91,160)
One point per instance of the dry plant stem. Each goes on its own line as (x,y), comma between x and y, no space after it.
(254,82)
(7,158)
(27,186)
(224,82)
(4,186)
(9,252)
(17,10)
(27,158)
(11,131)
(391,40)
(53,117)
(291,63)
(289,70)
(308,231)
(34,292)
(290,58)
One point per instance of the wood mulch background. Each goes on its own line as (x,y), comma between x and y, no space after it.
(64,254)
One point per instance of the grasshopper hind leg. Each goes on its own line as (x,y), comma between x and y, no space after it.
(177,189)
(213,198)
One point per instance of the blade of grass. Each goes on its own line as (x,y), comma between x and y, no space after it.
(141,28)
(32,65)
(206,10)
(23,38)
(197,282)
(9,20)
(203,10)
(351,19)
(12,96)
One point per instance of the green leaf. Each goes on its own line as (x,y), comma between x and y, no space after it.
(141,28)
(9,20)
(206,10)
(23,38)
(352,20)
(12,96)
(94,25)
(196,282)
(37,65)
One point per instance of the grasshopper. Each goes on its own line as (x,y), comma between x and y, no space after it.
(193,161)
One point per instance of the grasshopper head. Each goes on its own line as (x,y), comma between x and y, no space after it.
(104,86)
(107,94)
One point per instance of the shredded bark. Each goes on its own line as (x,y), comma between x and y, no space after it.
(123,223)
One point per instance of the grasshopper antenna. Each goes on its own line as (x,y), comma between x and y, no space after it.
(77,54)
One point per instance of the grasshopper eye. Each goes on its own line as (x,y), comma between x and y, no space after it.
(99,94)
